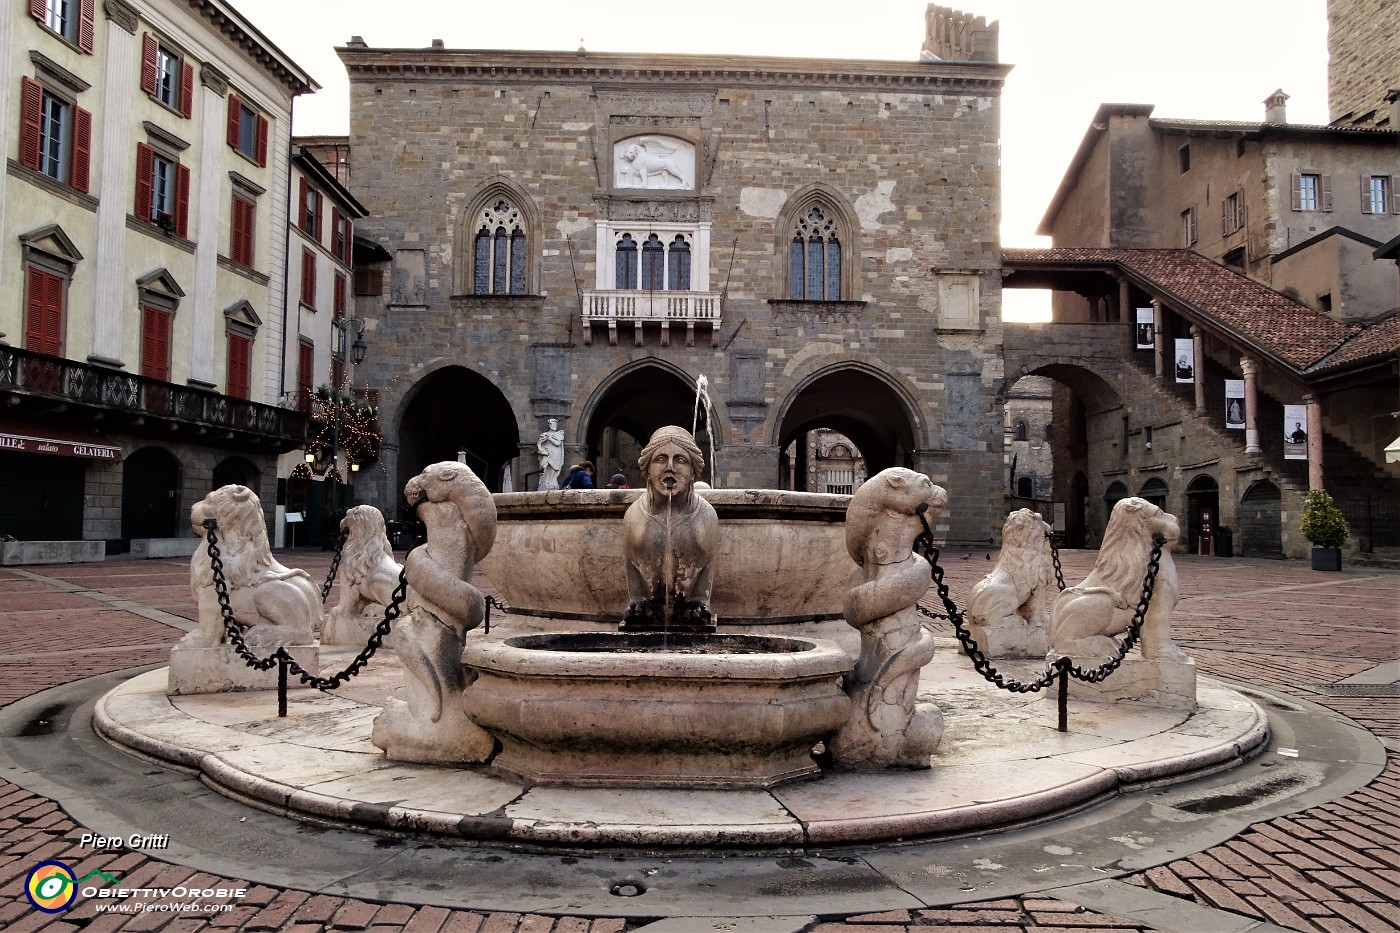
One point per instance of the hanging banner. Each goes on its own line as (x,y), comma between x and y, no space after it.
(1185,359)
(1234,404)
(1145,324)
(1295,432)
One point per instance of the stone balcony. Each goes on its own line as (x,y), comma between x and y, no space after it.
(642,308)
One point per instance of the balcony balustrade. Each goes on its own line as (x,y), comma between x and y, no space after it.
(640,308)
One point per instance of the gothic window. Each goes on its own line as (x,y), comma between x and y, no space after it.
(626,262)
(815,231)
(499,250)
(653,263)
(678,271)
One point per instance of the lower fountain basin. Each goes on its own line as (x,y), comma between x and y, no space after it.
(597,709)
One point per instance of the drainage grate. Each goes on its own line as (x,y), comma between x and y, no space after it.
(1359,690)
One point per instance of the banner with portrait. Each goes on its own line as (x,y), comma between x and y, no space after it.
(1185,359)
(1234,404)
(1145,324)
(1295,432)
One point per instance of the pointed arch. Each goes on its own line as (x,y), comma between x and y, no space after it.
(816,241)
(498,242)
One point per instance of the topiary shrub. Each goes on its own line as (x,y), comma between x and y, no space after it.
(1323,523)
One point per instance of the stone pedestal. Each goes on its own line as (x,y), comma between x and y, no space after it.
(221,670)
(1166,684)
(1007,640)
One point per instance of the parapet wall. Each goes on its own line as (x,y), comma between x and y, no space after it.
(952,35)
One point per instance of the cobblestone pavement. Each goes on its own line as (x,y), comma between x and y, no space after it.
(1334,868)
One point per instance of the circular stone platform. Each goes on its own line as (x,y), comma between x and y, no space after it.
(1002,763)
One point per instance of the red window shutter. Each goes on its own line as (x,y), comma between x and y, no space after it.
(239,359)
(301,205)
(145,164)
(262,140)
(31,102)
(349,256)
(53,315)
(306,356)
(36,9)
(85,25)
(186,89)
(308,278)
(36,320)
(338,306)
(182,200)
(1324,183)
(241,240)
(148,63)
(155,344)
(82,147)
(235,109)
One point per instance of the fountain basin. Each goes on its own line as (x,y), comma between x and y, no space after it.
(598,709)
(782,555)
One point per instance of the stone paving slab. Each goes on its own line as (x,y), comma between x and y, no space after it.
(318,761)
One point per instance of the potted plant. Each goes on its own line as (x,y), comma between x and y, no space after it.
(1326,527)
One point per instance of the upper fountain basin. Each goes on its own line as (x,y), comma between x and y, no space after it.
(782,555)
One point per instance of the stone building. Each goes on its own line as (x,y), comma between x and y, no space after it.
(1030,428)
(1363,68)
(142,255)
(581,236)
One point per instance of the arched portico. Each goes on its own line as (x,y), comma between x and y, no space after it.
(632,402)
(457,412)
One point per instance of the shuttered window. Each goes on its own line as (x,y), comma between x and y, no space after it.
(73,20)
(240,353)
(166,76)
(241,235)
(43,323)
(155,343)
(308,277)
(306,373)
(246,130)
(55,135)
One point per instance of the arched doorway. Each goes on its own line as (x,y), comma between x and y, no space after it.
(1261,521)
(633,405)
(1155,491)
(457,411)
(150,494)
(1202,510)
(856,403)
(236,471)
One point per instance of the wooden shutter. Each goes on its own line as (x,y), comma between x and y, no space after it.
(1296,181)
(82,148)
(155,343)
(1324,195)
(338,302)
(31,103)
(301,204)
(43,326)
(86,19)
(145,164)
(186,89)
(349,257)
(182,200)
(37,9)
(306,361)
(308,278)
(241,238)
(149,49)
(262,140)
(1394,195)
(235,110)
(239,366)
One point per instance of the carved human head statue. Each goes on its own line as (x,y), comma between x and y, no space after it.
(554,424)
(671,462)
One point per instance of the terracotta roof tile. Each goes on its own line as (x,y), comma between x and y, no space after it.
(1291,332)
(1377,339)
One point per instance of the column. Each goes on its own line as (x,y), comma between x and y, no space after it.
(207,213)
(1158,348)
(118,161)
(1314,441)
(1198,350)
(1123,298)
(1250,367)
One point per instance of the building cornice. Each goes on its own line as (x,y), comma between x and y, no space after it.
(641,72)
(241,33)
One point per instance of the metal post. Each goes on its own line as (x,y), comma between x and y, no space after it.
(1064,698)
(282,683)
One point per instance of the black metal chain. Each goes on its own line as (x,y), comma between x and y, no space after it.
(490,602)
(924,545)
(281,655)
(335,566)
(1055,559)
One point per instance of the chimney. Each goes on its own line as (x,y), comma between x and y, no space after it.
(1392,97)
(1276,107)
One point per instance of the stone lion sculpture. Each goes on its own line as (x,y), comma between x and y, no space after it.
(428,723)
(887,728)
(1087,616)
(368,576)
(273,605)
(1010,607)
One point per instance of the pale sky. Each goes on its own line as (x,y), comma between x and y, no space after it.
(1200,59)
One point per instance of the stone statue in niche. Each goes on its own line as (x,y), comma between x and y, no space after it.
(1009,611)
(550,449)
(654,162)
(887,727)
(368,575)
(427,722)
(670,537)
(272,605)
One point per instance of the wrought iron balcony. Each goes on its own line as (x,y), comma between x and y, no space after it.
(70,392)
(640,308)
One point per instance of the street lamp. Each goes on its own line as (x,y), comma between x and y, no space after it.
(344,328)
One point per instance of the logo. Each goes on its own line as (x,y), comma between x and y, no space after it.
(51,887)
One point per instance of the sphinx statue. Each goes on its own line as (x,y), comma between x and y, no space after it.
(368,575)
(425,721)
(670,537)
(887,727)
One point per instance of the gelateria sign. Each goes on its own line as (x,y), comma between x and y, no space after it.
(30,440)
